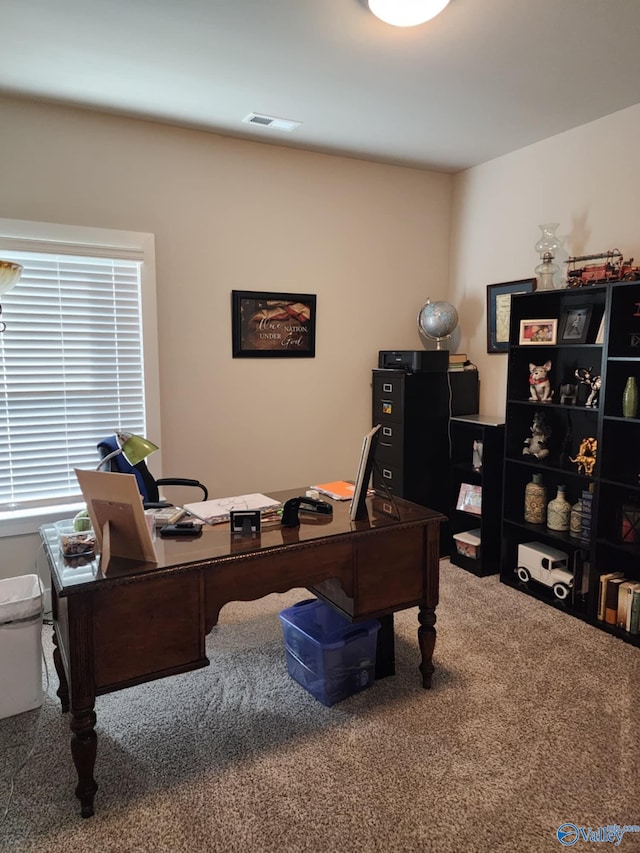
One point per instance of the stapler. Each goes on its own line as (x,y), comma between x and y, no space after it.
(303,504)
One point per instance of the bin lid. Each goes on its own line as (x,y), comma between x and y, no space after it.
(20,598)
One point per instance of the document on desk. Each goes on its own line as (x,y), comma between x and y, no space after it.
(216,511)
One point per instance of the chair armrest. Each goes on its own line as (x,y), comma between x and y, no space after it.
(181,481)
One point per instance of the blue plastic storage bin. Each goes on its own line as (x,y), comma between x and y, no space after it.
(329,656)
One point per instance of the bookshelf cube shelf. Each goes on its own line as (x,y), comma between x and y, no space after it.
(467,431)
(609,348)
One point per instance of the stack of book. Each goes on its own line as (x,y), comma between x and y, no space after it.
(457,360)
(619,602)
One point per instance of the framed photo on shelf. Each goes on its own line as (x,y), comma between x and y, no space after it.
(574,324)
(499,311)
(273,325)
(600,335)
(470,499)
(538,332)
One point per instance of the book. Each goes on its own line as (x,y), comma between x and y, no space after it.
(624,607)
(603,591)
(339,490)
(623,603)
(634,612)
(470,499)
(585,518)
(611,600)
(217,511)
(166,515)
(457,358)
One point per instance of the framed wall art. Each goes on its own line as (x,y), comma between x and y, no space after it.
(499,311)
(538,332)
(273,325)
(574,324)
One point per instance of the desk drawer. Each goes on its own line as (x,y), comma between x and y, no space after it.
(146,630)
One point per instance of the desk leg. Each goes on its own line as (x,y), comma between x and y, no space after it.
(385,648)
(427,640)
(63,690)
(84,745)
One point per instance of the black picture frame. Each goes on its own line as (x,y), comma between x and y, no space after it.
(499,311)
(358,508)
(574,324)
(265,324)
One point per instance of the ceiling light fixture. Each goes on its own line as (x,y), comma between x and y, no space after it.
(9,275)
(406,13)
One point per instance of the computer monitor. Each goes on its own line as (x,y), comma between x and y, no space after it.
(367,455)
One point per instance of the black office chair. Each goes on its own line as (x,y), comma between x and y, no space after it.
(149,487)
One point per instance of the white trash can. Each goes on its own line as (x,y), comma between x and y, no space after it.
(20,645)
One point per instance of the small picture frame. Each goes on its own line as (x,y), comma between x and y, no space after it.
(470,499)
(600,335)
(574,324)
(538,332)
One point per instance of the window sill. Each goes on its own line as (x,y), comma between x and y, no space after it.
(25,521)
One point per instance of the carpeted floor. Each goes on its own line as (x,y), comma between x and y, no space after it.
(533,721)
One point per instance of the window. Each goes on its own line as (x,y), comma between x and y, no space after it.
(74,362)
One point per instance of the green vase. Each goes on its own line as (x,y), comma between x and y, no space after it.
(630,398)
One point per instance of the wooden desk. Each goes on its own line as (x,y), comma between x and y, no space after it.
(142,622)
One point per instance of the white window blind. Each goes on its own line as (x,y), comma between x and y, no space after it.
(71,371)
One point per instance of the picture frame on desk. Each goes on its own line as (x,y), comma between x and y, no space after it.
(117,517)
(499,311)
(273,325)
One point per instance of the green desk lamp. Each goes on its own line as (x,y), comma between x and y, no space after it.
(134,448)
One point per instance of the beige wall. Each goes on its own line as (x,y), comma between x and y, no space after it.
(372,241)
(587,179)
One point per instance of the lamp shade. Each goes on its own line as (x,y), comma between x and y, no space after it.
(9,275)
(406,13)
(134,448)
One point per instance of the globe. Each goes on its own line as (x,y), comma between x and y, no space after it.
(437,321)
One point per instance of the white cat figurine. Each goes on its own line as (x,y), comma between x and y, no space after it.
(539,383)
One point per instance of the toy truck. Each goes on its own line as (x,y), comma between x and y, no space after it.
(546,565)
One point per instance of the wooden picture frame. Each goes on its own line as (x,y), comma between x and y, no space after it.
(273,325)
(117,517)
(470,499)
(574,324)
(499,311)
(538,332)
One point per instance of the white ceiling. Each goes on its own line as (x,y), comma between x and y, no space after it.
(484,78)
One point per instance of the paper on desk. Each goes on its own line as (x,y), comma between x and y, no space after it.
(218,510)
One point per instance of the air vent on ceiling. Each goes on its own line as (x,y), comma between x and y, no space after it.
(271,122)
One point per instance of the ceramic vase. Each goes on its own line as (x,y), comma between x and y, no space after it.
(535,501)
(559,512)
(630,398)
(575,520)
